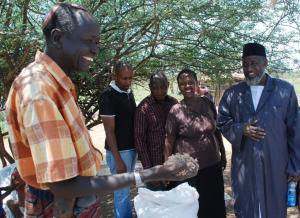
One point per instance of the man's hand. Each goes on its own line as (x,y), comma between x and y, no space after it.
(295,178)
(121,167)
(254,132)
(109,127)
(179,167)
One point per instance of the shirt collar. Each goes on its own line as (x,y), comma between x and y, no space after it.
(59,75)
(115,87)
(152,99)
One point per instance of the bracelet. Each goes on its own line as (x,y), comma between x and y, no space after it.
(138,180)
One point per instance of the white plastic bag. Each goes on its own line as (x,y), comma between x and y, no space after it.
(180,202)
(5,174)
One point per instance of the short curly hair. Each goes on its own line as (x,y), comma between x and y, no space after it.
(120,66)
(189,72)
(158,75)
(63,17)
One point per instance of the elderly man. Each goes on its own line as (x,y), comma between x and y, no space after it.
(260,118)
(51,144)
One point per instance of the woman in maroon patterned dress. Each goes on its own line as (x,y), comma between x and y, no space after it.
(191,128)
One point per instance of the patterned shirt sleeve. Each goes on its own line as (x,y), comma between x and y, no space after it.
(50,141)
(140,131)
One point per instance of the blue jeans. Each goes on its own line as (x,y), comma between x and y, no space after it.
(122,206)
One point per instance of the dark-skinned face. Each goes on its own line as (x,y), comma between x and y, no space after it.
(81,46)
(124,78)
(159,89)
(187,85)
(254,67)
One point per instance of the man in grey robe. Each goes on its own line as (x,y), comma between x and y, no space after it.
(260,118)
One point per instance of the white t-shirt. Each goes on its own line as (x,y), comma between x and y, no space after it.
(256,92)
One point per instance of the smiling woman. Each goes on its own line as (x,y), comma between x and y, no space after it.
(191,128)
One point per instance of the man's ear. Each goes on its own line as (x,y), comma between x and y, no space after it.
(56,38)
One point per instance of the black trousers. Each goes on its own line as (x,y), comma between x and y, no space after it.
(210,186)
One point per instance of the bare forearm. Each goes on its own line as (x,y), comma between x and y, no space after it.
(167,152)
(152,174)
(111,139)
(112,143)
(168,149)
(87,185)
(97,185)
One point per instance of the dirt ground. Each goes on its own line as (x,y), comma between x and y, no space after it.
(98,137)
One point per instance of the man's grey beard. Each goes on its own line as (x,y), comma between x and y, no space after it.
(254,81)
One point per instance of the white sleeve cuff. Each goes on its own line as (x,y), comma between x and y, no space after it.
(138,180)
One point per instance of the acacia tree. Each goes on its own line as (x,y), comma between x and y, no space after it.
(206,36)
(15,50)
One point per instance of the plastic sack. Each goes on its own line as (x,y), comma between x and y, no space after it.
(179,202)
(5,175)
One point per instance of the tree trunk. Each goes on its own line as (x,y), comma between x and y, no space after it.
(4,155)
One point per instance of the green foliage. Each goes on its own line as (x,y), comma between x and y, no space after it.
(206,36)
(3,125)
(294,79)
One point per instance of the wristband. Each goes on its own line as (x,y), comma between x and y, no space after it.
(138,180)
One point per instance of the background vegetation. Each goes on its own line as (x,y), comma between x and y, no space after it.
(206,36)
